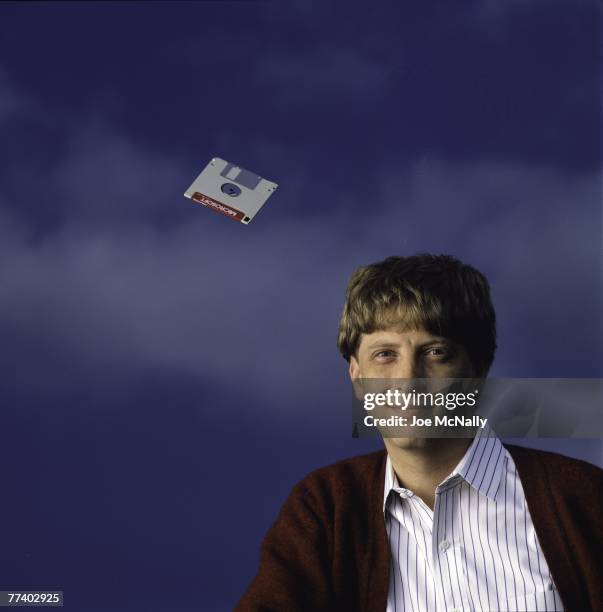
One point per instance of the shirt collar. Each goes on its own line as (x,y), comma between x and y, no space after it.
(481,467)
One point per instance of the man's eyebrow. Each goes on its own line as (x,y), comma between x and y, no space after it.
(383,344)
(392,344)
(441,339)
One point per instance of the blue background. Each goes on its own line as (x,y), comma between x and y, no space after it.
(167,374)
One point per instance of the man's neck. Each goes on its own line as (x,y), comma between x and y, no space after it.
(422,467)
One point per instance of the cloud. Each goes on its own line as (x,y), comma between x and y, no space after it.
(133,277)
(260,304)
(105,179)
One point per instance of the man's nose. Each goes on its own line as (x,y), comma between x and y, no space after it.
(410,368)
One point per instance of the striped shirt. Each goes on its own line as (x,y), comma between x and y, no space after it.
(477,549)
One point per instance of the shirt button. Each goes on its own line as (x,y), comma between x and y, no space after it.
(444,545)
(455,610)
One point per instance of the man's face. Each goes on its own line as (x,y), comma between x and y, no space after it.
(393,353)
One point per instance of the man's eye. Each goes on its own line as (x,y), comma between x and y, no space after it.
(438,351)
(384,354)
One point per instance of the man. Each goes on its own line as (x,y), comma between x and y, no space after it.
(433,523)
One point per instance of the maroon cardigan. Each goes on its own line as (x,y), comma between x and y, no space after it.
(328,548)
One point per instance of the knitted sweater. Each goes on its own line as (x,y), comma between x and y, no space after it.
(328,548)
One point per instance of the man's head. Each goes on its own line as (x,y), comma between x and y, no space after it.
(421,316)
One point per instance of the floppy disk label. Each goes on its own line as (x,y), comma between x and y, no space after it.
(233,213)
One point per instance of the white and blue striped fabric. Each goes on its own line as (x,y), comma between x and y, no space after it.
(477,549)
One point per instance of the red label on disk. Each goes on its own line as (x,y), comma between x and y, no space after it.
(233,213)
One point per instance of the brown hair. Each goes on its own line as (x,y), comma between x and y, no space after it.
(438,293)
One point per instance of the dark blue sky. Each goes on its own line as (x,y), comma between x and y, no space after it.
(170,374)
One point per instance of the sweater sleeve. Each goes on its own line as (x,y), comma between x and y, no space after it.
(294,572)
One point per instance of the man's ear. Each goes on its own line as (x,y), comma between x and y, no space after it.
(354,368)
(354,371)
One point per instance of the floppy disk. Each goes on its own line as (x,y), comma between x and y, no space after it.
(230,190)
